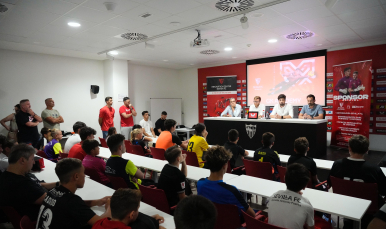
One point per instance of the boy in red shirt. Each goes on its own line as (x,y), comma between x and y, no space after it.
(86,133)
(106,116)
(127,111)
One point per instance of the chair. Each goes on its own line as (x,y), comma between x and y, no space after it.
(63,155)
(93,174)
(258,169)
(158,153)
(137,150)
(230,170)
(12,216)
(42,154)
(191,158)
(128,146)
(156,198)
(103,142)
(227,216)
(26,223)
(257,223)
(282,170)
(117,182)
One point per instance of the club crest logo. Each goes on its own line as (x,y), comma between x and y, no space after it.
(251,130)
(258,80)
(348,107)
(221,81)
(341,104)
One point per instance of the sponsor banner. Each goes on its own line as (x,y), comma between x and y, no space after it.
(381,76)
(380,130)
(330,90)
(329,123)
(205,107)
(238,98)
(370,130)
(204,95)
(238,103)
(330,80)
(329,128)
(206,115)
(244,94)
(352,98)
(220,90)
(244,89)
(383,82)
(381,88)
(330,74)
(380,119)
(205,110)
(371,118)
(329,85)
(380,124)
(244,85)
(330,101)
(238,85)
(381,95)
(379,70)
(244,103)
(380,107)
(243,81)
(328,117)
(204,88)
(329,96)
(380,113)
(239,90)
(329,112)
(327,107)
(204,99)
(381,100)
(238,94)
(203,84)
(238,81)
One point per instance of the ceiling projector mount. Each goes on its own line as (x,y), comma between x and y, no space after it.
(198,42)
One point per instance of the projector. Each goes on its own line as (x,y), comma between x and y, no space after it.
(198,42)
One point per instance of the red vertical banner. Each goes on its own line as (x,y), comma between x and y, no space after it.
(219,90)
(351,101)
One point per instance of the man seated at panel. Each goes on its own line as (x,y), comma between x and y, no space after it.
(282,110)
(62,208)
(238,153)
(214,188)
(86,133)
(167,139)
(267,154)
(257,106)
(173,180)
(72,140)
(233,110)
(312,110)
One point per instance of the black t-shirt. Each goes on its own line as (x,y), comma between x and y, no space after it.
(144,222)
(360,170)
(116,166)
(63,209)
(142,144)
(237,152)
(308,162)
(159,124)
(20,192)
(26,134)
(266,154)
(173,182)
(176,139)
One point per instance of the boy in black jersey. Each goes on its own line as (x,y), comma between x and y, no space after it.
(238,153)
(61,208)
(266,154)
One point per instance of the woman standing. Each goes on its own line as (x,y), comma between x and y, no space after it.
(12,128)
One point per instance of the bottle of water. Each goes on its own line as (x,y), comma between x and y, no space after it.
(267,115)
(263,115)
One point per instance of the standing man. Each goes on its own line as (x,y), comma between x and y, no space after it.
(147,125)
(51,117)
(233,110)
(27,122)
(312,110)
(355,84)
(282,110)
(257,106)
(106,116)
(127,112)
(159,125)
(343,84)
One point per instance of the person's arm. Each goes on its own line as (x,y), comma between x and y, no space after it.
(133,111)
(184,168)
(237,112)
(98,202)
(251,212)
(139,174)
(126,115)
(181,195)
(144,132)
(152,132)
(100,120)
(337,86)
(301,113)
(39,201)
(184,145)
(318,117)
(35,116)
(96,217)
(32,124)
(6,119)
(291,112)
(48,186)
(225,112)
(320,113)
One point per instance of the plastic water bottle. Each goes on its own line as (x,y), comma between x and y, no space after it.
(263,116)
(267,115)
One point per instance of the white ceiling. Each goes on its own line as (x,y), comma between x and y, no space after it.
(41,26)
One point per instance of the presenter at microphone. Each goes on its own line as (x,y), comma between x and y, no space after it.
(233,110)
(282,110)
(312,110)
(257,106)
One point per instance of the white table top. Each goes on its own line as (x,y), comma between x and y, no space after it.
(184,129)
(327,202)
(293,120)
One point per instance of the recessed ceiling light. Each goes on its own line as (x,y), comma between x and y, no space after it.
(175,23)
(73,24)
(113,52)
(228,49)
(166,60)
(272,40)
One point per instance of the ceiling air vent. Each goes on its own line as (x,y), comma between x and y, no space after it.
(145,15)
(209,52)
(134,36)
(300,35)
(234,5)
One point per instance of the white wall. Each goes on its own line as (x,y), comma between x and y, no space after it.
(67,80)
(189,79)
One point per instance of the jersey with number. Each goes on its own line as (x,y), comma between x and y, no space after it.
(198,145)
(266,154)
(63,209)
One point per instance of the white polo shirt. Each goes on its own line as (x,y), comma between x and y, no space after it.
(259,109)
(71,141)
(3,162)
(147,125)
(287,109)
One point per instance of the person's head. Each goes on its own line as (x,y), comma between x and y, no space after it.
(87,133)
(164,115)
(17,108)
(358,144)
(77,126)
(301,146)
(3,141)
(232,102)
(170,125)
(124,205)
(126,101)
(136,134)
(50,102)
(173,154)
(281,99)
(195,212)
(70,170)
(22,157)
(145,115)
(46,133)
(112,130)
(116,144)
(311,100)
(56,134)
(217,158)
(347,71)
(256,100)
(25,105)
(200,129)
(137,126)
(91,147)
(355,75)
(296,177)
(109,101)
(233,135)
(7,147)
(268,139)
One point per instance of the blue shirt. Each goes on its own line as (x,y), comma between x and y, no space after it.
(221,193)
(316,111)
(236,113)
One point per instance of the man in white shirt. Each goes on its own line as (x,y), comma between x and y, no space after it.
(233,110)
(74,139)
(282,110)
(288,208)
(257,106)
(147,125)
(5,150)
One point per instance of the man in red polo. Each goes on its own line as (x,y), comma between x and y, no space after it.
(106,116)
(76,151)
(127,112)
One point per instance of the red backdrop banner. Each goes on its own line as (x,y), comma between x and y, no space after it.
(351,101)
(219,90)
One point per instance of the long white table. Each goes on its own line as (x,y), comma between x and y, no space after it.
(185,130)
(327,202)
